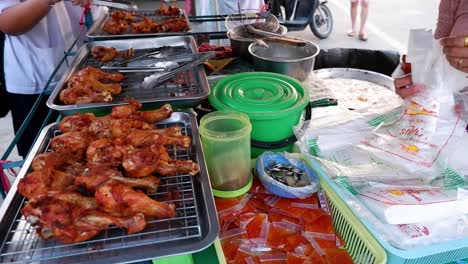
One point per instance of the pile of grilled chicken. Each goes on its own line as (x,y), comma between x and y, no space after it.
(91,85)
(122,21)
(100,173)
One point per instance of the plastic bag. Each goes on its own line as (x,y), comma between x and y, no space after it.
(396,204)
(429,127)
(409,236)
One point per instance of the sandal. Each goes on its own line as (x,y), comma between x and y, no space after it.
(351,33)
(363,36)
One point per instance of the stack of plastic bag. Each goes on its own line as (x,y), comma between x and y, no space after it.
(404,171)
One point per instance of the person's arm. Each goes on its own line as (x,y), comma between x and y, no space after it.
(22,17)
(446,18)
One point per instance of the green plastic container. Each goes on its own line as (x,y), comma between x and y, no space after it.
(273,102)
(225,137)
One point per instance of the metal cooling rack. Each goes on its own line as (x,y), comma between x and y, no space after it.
(186,90)
(188,228)
(185,84)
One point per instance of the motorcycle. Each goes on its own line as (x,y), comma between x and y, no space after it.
(297,14)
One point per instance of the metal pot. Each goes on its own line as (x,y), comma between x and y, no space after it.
(290,60)
(240,41)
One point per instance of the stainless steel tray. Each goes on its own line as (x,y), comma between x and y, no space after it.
(96,32)
(188,91)
(194,228)
(350,73)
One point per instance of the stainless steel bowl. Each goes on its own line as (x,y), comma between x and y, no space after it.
(290,60)
(240,40)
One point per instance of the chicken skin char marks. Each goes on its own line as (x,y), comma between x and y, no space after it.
(106,54)
(121,200)
(99,172)
(78,122)
(86,86)
(165,10)
(142,162)
(71,218)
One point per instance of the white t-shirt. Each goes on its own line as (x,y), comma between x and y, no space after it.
(30,58)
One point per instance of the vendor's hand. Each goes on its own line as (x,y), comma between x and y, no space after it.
(81,2)
(456,51)
(405,88)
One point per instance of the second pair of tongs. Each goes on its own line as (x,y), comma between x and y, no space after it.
(154,80)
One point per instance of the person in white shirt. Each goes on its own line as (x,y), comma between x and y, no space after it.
(37,33)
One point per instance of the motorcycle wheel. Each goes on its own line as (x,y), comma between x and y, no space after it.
(322,25)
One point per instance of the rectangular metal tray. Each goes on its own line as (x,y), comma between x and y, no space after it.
(194,228)
(187,90)
(96,32)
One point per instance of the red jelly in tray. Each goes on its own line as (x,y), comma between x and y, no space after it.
(259,227)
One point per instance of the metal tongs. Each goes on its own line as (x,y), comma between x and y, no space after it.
(198,59)
(123,5)
(121,66)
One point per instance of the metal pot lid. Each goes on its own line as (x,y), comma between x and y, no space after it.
(261,95)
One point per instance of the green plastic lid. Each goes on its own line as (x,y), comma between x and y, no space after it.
(261,95)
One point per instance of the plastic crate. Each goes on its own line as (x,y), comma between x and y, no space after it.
(436,254)
(361,245)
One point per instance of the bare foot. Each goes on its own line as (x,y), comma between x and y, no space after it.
(363,36)
(351,33)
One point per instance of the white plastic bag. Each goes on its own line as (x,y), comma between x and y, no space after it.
(429,128)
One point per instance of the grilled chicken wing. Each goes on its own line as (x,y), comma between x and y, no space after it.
(83,95)
(107,127)
(140,163)
(147,25)
(100,75)
(126,111)
(121,200)
(96,176)
(146,161)
(115,26)
(104,152)
(130,111)
(175,25)
(77,122)
(122,15)
(141,138)
(106,54)
(167,166)
(39,183)
(86,86)
(47,160)
(71,218)
(165,10)
(72,143)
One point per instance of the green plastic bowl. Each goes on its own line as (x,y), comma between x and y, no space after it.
(273,102)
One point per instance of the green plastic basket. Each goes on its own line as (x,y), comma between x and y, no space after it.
(361,245)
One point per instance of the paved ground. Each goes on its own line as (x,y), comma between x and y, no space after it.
(388,26)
